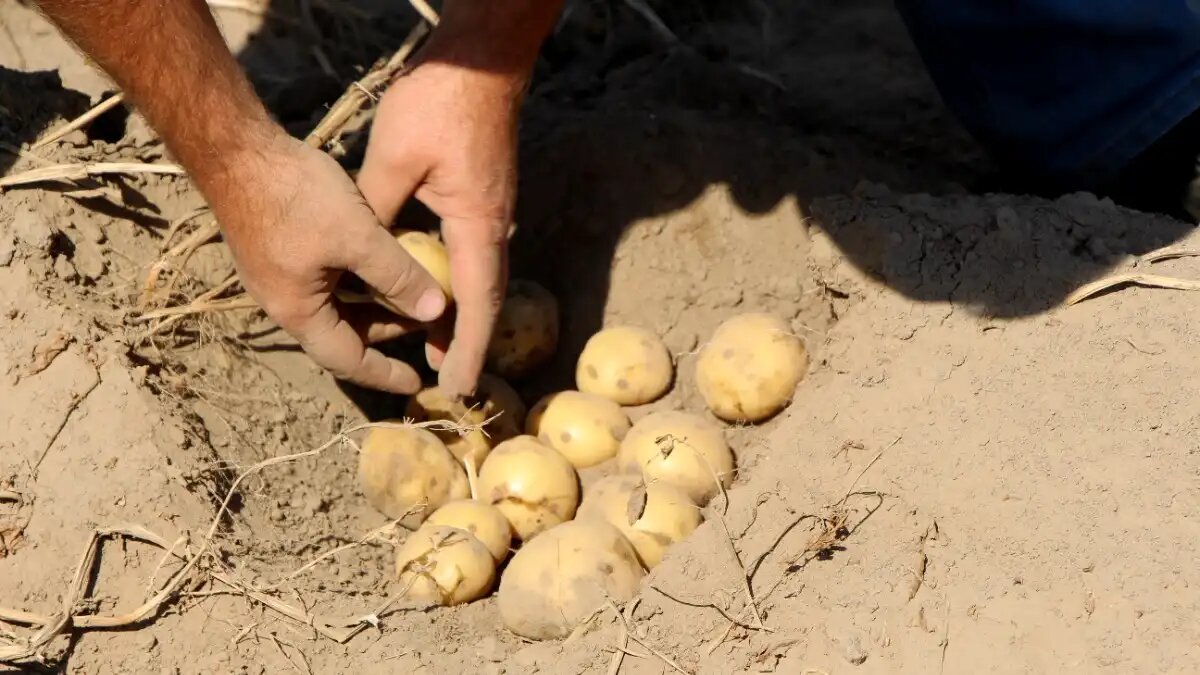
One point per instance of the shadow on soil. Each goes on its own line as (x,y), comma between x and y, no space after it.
(772,99)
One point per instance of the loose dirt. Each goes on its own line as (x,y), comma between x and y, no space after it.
(972,478)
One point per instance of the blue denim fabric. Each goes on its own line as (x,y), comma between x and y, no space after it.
(1065,91)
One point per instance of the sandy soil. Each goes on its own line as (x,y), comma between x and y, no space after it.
(973,477)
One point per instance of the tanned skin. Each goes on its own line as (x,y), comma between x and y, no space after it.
(445,134)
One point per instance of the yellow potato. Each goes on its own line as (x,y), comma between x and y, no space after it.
(401,468)
(445,566)
(585,428)
(625,364)
(682,449)
(482,520)
(560,578)
(526,332)
(532,485)
(651,516)
(749,370)
(492,397)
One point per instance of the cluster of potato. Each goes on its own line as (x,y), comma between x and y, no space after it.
(472,495)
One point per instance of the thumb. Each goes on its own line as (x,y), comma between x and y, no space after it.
(402,284)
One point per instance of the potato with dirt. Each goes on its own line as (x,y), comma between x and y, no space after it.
(652,516)
(444,565)
(625,364)
(526,332)
(532,485)
(493,398)
(482,520)
(682,449)
(562,577)
(406,472)
(585,428)
(749,370)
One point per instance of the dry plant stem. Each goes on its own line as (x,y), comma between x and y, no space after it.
(1168,253)
(1152,280)
(199,306)
(179,222)
(633,636)
(203,298)
(74,172)
(373,534)
(363,90)
(81,121)
(54,625)
(707,605)
(175,258)
(426,12)
(75,401)
(850,490)
(614,666)
(654,20)
(23,618)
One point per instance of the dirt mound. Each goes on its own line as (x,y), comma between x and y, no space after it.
(972,477)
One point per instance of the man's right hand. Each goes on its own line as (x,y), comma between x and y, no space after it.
(295,221)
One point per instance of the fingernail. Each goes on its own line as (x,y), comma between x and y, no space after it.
(430,305)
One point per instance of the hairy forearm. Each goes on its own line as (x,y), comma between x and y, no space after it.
(497,37)
(171,62)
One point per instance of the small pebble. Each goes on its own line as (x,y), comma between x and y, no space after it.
(64,269)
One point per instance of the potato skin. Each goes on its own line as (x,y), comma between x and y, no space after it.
(532,485)
(651,516)
(482,520)
(682,449)
(493,397)
(429,253)
(585,428)
(526,332)
(445,566)
(557,580)
(748,372)
(400,468)
(625,364)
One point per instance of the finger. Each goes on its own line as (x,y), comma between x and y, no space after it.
(375,324)
(437,340)
(406,288)
(478,252)
(385,186)
(335,345)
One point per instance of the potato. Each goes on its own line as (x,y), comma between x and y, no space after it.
(625,364)
(532,485)
(585,428)
(429,254)
(445,565)
(749,370)
(402,467)
(484,521)
(651,516)
(492,397)
(682,449)
(526,332)
(559,579)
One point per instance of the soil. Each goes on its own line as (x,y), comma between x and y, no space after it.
(973,476)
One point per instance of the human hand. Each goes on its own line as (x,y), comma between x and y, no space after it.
(446,135)
(295,223)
